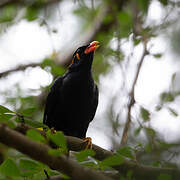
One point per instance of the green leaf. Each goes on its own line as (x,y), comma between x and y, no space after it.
(32,123)
(9,168)
(32,13)
(158,55)
(5,117)
(167,97)
(124,17)
(64,176)
(52,172)
(55,152)
(164,177)
(143,4)
(122,178)
(86,14)
(8,119)
(113,160)
(148,148)
(164,2)
(12,124)
(108,18)
(28,164)
(91,163)
(136,41)
(29,173)
(59,139)
(145,114)
(4,110)
(126,151)
(157,164)
(55,31)
(81,156)
(158,107)
(150,131)
(29,111)
(164,145)
(57,70)
(173,77)
(125,21)
(8,13)
(47,62)
(137,131)
(35,135)
(129,174)
(173,111)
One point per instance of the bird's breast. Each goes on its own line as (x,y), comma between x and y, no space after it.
(77,92)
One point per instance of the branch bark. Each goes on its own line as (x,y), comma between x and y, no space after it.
(19,68)
(40,153)
(140,172)
(22,2)
(132,99)
(56,178)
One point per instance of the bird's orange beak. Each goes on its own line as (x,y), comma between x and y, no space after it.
(92,47)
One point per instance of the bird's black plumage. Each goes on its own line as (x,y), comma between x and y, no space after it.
(72,101)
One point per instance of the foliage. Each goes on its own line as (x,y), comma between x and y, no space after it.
(119,28)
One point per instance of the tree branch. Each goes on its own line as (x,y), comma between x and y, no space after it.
(140,172)
(19,68)
(22,2)
(73,143)
(56,178)
(40,153)
(132,99)
(65,59)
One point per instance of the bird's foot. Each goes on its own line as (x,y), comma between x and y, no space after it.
(53,131)
(88,142)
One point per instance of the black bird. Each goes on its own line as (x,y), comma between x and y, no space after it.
(72,101)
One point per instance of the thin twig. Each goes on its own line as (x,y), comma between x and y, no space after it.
(18,68)
(137,29)
(22,2)
(65,59)
(132,99)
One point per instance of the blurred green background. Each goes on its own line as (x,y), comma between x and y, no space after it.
(138,60)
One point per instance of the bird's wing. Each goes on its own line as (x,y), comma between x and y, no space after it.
(95,101)
(52,100)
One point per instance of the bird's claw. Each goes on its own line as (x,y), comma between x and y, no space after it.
(88,142)
(53,131)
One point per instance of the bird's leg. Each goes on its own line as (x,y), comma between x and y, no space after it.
(53,131)
(88,142)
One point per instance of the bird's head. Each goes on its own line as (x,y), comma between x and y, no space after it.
(83,56)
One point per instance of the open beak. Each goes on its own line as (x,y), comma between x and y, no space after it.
(92,47)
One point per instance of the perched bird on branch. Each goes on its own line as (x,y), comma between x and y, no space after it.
(72,101)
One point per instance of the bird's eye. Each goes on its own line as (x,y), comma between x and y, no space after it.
(76,58)
(77,55)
